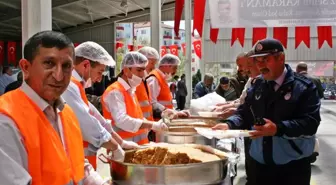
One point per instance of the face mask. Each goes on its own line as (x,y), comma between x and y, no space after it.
(146,74)
(88,83)
(168,76)
(134,81)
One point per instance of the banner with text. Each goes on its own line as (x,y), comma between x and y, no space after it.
(271,13)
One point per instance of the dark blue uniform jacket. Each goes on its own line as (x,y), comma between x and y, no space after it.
(294,108)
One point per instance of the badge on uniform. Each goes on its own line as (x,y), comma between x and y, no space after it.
(288,96)
(257,96)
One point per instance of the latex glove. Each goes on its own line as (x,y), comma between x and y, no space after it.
(159,126)
(183,114)
(169,113)
(118,154)
(129,145)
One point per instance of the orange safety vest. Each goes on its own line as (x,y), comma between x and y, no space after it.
(133,109)
(91,158)
(165,97)
(48,162)
(143,96)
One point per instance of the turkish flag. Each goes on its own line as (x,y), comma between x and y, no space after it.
(238,34)
(281,34)
(302,34)
(324,33)
(173,49)
(163,51)
(199,9)
(214,34)
(119,45)
(183,45)
(198,48)
(76,44)
(11,52)
(178,14)
(2,52)
(130,48)
(258,34)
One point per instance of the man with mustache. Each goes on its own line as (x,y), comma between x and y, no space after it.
(41,140)
(283,110)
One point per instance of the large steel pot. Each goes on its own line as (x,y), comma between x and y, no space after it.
(209,173)
(183,132)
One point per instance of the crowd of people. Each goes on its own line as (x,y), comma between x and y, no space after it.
(51,131)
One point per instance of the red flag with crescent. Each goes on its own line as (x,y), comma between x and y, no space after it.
(11,52)
(163,51)
(173,49)
(198,48)
(2,52)
(184,48)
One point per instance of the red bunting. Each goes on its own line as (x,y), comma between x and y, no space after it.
(324,33)
(173,49)
(76,44)
(139,47)
(302,34)
(119,45)
(214,34)
(238,34)
(258,34)
(183,45)
(2,52)
(281,34)
(178,15)
(198,48)
(11,52)
(163,51)
(130,47)
(199,9)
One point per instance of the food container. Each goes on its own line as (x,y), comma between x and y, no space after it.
(207,173)
(209,114)
(182,131)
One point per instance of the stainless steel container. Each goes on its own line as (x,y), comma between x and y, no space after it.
(208,173)
(182,132)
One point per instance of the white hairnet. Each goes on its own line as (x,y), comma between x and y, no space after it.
(134,59)
(149,52)
(169,59)
(94,52)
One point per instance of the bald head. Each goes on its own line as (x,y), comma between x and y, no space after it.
(302,67)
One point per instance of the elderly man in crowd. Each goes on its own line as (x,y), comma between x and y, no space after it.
(204,87)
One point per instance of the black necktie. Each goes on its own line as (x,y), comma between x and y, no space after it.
(271,85)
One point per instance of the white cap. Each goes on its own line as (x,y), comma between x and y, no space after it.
(169,59)
(134,59)
(149,52)
(94,52)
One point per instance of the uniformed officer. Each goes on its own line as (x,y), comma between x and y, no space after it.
(285,110)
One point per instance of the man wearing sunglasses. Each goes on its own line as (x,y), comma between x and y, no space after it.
(283,110)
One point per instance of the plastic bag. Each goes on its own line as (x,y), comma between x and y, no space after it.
(206,103)
(234,147)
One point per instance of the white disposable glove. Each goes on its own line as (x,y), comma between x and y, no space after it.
(183,114)
(129,145)
(118,154)
(169,113)
(159,126)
